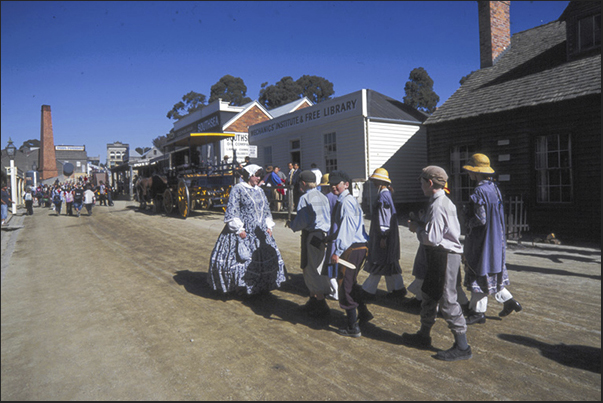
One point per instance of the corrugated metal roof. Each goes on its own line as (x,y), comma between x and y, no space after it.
(533,71)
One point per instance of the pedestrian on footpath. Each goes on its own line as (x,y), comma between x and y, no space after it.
(350,245)
(89,199)
(441,239)
(313,219)
(6,201)
(69,200)
(78,198)
(57,199)
(383,258)
(28,197)
(486,244)
(109,189)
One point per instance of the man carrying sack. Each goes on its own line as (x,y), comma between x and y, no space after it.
(349,239)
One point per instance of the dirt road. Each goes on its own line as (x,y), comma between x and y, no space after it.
(116,306)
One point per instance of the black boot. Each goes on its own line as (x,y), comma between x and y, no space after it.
(510,306)
(310,305)
(364,315)
(321,309)
(475,317)
(352,330)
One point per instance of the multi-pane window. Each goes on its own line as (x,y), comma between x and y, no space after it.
(554,169)
(330,143)
(589,32)
(459,182)
(268,155)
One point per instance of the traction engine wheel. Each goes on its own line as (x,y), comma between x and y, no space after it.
(184,199)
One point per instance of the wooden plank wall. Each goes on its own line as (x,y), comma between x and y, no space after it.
(580,219)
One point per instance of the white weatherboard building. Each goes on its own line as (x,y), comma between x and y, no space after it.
(356,133)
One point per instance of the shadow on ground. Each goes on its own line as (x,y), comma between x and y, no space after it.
(581,357)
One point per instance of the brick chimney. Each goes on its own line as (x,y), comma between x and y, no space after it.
(494,30)
(48,160)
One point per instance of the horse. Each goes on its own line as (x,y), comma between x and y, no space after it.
(150,189)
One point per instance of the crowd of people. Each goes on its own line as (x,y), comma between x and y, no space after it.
(335,247)
(69,197)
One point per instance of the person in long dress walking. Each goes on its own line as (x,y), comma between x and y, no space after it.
(486,244)
(383,257)
(246,259)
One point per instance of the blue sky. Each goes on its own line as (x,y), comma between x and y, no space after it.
(110,71)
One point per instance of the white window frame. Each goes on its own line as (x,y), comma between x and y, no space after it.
(330,150)
(553,164)
(459,182)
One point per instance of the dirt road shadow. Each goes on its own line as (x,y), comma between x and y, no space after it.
(582,357)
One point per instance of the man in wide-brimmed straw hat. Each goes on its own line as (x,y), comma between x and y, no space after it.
(485,244)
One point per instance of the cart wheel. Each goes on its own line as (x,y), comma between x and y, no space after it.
(168,202)
(184,200)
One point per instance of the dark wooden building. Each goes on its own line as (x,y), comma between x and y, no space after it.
(535,109)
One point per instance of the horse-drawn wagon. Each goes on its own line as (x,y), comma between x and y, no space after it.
(194,184)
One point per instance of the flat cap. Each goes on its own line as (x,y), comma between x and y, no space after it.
(307,176)
(338,176)
(437,174)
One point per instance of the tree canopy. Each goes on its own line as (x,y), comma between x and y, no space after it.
(419,91)
(191,102)
(31,143)
(317,89)
(142,150)
(231,89)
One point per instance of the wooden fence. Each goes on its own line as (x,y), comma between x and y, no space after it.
(517,217)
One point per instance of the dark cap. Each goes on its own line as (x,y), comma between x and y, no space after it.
(437,174)
(338,176)
(307,176)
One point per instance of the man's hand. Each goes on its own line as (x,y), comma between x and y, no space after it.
(334,259)
(243,234)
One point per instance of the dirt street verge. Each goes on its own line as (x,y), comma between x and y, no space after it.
(116,306)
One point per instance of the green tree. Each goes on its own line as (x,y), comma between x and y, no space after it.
(317,89)
(31,143)
(159,141)
(284,91)
(191,102)
(231,89)
(419,91)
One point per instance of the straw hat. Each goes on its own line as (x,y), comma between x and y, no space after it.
(479,163)
(381,174)
(325,180)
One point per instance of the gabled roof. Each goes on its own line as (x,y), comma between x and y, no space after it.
(290,107)
(384,107)
(533,71)
(245,108)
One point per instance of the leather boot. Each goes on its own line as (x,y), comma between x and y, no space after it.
(510,306)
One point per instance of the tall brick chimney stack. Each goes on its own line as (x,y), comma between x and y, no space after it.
(494,30)
(48,160)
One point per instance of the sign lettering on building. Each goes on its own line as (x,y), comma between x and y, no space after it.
(318,113)
(208,124)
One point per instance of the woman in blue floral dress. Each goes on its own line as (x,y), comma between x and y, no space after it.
(246,259)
